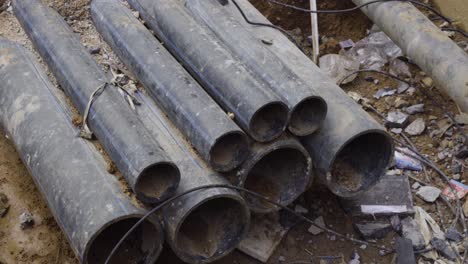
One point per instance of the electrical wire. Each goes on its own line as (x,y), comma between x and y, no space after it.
(240,189)
(463,33)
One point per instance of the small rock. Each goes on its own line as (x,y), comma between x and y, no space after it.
(347,44)
(427,82)
(416,128)
(443,248)
(456,177)
(355,258)
(411,91)
(411,230)
(428,193)
(369,79)
(136,14)
(456,167)
(26,220)
(462,154)
(355,96)
(376,81)
(400,103)
(300,209)
(94,51)
(384,92)
(441,155)
(396,130)
(402,87)
(363,247)
(462,119)
(333,238)
(396,223)
(415,109)
(4,205)
(396,120)
(453,235)
(281,259)
(416,185)
(315,230)
(373,230)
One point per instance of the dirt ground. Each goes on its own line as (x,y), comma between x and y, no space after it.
(44,243)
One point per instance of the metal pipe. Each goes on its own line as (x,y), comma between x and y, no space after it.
(216,137)
(87,202)
(254,106)
(280,170)
(351,152)
(429,47)
(308,109)
(203,226)
(148,170)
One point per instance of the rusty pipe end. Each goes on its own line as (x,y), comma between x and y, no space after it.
(360,163)
(308,116)
(212,229)
(229,151)
(269,122)
(157,182)
(143,246)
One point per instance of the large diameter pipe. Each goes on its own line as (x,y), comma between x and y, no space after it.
(206,225)
(429,47)
(308,109)
(280,170)
(351,151)
(148,170)
(255,107)
(87,202)
(216,137)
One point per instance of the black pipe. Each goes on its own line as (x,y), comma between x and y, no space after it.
(255,107)
(86,201)
(351,151)
(280,170)
(216,137)
(308,109)
(145,165)
(206,225)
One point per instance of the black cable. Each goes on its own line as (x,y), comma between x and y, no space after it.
(374,71)
(455,30)
(240,189)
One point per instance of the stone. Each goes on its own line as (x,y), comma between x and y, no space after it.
(355,258)
(4,205)
(387,91)
(462,119)
(415,186)
(429,193)
(416,128)
(281,259)
(396,120)
(456,167)
(415,109)
(300,209)
(400,103)
(346,44)
(443,248)
(411,230)
(404,251)
(396,130)
(315,230)
(395,221)
(26,220)
(427,82)
(373,230)
(452,234)
(94,51)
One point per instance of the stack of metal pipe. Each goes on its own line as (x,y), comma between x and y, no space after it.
(219,106)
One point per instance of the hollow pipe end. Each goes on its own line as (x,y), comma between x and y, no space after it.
(308,116)
(229,151)
(360,163)
(157,182)
(269,122)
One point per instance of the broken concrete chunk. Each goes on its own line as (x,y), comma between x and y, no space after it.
(429,193)
(314,230)
(4,205)
(373,230)
(26,220)
(404,251)
(415,109)
(338,67)
(452,234)
(396,120)
(411,230)
(416,128)
(384,92)
(443,248)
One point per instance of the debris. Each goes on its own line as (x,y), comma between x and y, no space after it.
(396,130)
(462,154)
(384,92)
(363,246)
(373,230)
(94,51)
(300,209)
(355,258)
(26,220)
(400,103)
(404,162)
(415,109)
(452,234)
(416,185)
(396,120)
(399,68)
(411,230)
(355,96)
(404,251)
(396,223)
(402,87)
(460,190)
(416,128)
(281,259)
(461,119)
(338,67)
(315,230)
(4,205)
(443,248)
(428,193)
(427,82)
(347,44)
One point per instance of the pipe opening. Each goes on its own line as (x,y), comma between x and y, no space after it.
(157,182)
(360,164)
(281,175)
(269,122)
(142,246)
(213,229)
(229,152)
(308,116)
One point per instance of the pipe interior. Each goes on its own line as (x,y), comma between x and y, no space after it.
(157,182)
(141,246)
(308,116)
(229,151)
(281,175)
(212,229)
(360,164)
(269,122)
